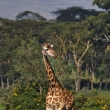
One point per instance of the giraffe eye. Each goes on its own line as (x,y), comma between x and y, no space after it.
(46,49)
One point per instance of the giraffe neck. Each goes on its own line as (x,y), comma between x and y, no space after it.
(50,73)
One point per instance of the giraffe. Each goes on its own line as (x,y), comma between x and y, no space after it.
(58,98)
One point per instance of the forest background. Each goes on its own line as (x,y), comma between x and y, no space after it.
(81,39)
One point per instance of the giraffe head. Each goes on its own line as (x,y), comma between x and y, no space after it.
(48,50)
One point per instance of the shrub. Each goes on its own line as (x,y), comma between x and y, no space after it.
(93,100)
(26,96)
(1,107)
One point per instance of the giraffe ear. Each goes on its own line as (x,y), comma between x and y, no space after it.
(51,46)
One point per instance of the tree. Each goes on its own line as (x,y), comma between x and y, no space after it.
(28,62)
(95,56)
(74,14)
(93,29)
(78,39)
(103,70)
(79,49)
(104,4)
(29,15)
(7,48)
(11,34)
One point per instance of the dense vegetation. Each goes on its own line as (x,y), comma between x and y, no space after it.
(82,43)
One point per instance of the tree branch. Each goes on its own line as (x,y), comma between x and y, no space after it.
(87,47)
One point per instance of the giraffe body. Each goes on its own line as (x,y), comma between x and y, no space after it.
(58,98)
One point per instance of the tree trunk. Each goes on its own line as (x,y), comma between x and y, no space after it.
(7,85)
(92,85)
(106,84)
(13,81)
(100,85)
(88,85)
(92,80)
(78,84)
(2,83)
(77,80)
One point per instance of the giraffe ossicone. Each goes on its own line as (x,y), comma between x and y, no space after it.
(58,98)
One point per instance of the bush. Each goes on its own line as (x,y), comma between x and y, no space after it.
(26,96)
(93,100)
(1,107)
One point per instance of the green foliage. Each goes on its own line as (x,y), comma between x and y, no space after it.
(28,60)
(74,14)
(63,71)
(26,96)
(81,44)
(11,35)
(29,15)
(29,91)
(94,30)
(104,4)
(103,71)
(93,100)
(1,107)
